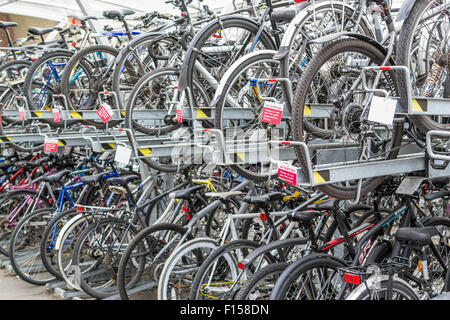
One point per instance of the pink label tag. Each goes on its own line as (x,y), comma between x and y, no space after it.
(288,174)
(272,113)
(51,146)
(56,117)
(105,113)
(21,113)
(179,116)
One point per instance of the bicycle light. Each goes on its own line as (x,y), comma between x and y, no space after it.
(352,278)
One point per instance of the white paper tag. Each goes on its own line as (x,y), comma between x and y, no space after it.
(123,155)
(382,110)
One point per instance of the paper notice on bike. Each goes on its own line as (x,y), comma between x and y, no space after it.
(382,110)
(123,155)
(105,113)
(51,145)
(21,113)
(287,173)
(272,113)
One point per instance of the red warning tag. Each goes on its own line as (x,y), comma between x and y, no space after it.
(179,116)
(105,113)
(56,117)
(272,112)
(288,174)
(51,145)
(21,113)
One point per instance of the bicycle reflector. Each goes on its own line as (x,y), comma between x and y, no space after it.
(240,266)
(352,278)
(263,216)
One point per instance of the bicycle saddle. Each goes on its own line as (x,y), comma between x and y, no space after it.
(40,31)
(305,216)
(324,205)
(264,199)
(439,181)
(8,24)
(186,193)
(56,177)
(92,179)
(420,236)
(222,195)
(436,195)
(288,14)
(117,14)
(123,181)
(36,163)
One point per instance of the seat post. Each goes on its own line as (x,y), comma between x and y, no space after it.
(8,36)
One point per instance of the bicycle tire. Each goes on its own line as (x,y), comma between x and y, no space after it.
(403,56)
(198,246)
(272,270)
(125,289)
(337,47)
(24,264)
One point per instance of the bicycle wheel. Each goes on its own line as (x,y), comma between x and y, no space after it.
(218,45)
(245,90)
(335,70)
(14,207)
(44,77)
(151,247)
(48,241)
(438,278)
(97,253)
(260,285)
(400,291)
(421,48)
(157,91)
(180,268)
(315,277)
(87,74)
(11,91)
(317,20)
(138,58)
(219,277)
(24,248)
(65,244)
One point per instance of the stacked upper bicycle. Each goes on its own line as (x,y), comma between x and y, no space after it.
(282,119)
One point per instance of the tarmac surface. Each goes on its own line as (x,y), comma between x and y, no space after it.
(12,288)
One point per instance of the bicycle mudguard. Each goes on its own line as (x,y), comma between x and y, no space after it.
(223,83)
(289,34)
(270,247)
(187,67)
(405,9)
(372,282)
(135,42)
(335,36)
